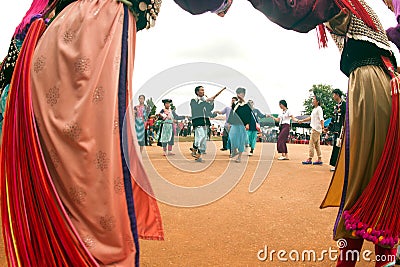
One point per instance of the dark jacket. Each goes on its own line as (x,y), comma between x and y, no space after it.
(253,121)
(201,112)
(297,15)
(339,115)
(240,115)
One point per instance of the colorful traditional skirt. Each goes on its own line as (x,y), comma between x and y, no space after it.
(167,133)
(140,131)
(81,86)
(283,137)
(238,137)
(369,108)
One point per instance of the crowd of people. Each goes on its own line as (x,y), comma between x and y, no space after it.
(149,127)
(165,125)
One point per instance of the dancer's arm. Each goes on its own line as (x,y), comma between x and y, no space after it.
(305,120)
(297,15)
(275,119)
(294,118)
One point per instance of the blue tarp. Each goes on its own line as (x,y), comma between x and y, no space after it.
(327,121)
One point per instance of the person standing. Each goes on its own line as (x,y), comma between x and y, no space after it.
(259,115)
(189,128)
(201,108)
(166,134)
(185,128)
(254,127)
(140,120)
(317,124)
(151,136)
(225,135)
(284,128)
(239,119)
(337,125)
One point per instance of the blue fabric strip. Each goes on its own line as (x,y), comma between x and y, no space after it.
(346,166)
(123,137)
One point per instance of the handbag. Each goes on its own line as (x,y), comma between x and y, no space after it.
(258,126)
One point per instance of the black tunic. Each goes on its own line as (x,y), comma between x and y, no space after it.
(240,115)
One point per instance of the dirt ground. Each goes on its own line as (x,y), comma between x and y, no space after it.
(283,214)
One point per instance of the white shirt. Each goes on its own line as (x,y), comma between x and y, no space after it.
(317,115)
(200,99)
(284,117)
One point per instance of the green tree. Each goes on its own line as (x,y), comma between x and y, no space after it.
(324,93)
(267,121)
(151,106)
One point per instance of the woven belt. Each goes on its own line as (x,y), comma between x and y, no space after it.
(365,62)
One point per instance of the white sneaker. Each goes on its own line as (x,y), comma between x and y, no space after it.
(333,169)
(250,153)
(281,158)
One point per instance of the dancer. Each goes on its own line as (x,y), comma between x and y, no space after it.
(337,126)
(367,129)
(78,167)
(254,127)
(239,119)
(166,133)
(259,115)
(317,124)
(141,113)
(225,135)
(284,128)
(201,108)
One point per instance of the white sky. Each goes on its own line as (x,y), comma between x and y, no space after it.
(282,64)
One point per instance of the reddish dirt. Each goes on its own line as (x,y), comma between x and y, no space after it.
(282,214)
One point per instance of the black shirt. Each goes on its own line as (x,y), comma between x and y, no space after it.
(240,115)
(339,115)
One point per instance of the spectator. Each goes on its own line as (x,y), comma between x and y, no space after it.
(317,124)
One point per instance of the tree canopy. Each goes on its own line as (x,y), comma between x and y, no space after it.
(324,93)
